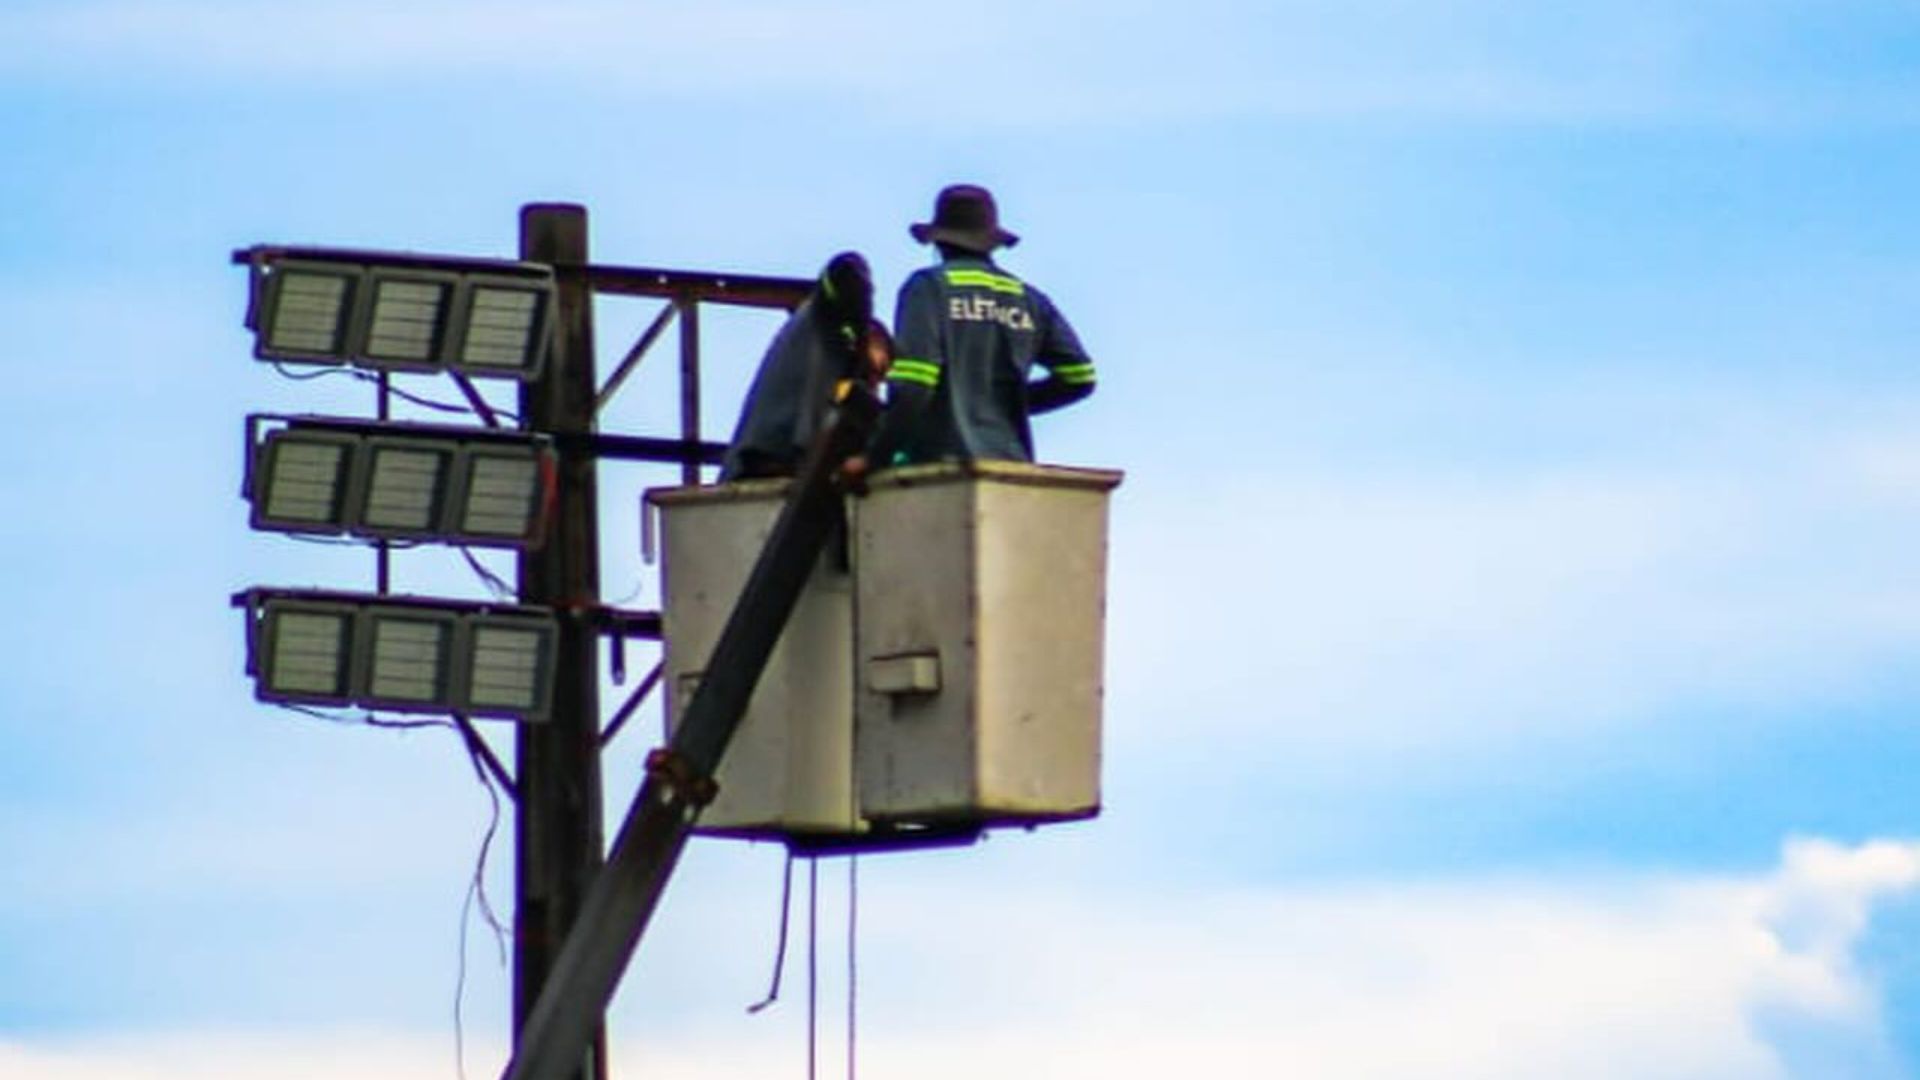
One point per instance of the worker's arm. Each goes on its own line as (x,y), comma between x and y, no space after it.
(919,357)
(1070,374)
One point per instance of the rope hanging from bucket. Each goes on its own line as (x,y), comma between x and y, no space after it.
(813,959)
(780,949)
(853,956)
(813,963)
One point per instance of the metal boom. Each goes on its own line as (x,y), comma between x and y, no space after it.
(557,1034)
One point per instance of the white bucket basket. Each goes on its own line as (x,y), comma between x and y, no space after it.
(950,679)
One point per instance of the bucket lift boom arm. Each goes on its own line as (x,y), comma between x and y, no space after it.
(558,1033)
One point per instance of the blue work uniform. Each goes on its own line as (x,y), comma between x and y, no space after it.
(791,393)
(967,336)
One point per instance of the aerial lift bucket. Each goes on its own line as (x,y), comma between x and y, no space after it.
(942,673)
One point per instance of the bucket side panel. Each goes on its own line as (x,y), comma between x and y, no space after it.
(914,748)
(789,764)
(1042,592)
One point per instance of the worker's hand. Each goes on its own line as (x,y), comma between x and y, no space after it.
(853,475)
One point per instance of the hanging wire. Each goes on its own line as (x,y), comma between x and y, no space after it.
(430,403)
(346,541)
(853,956)
(387,387)
(401,725)
(328,541)
(639,586)
(423,402)
(813,962)
(476,897)
(365,719)
(307,376)
(476,887)
(492,580)
(780,949)
(366,376)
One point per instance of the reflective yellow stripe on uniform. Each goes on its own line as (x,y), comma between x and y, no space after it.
(1074,374)
(906,369)
(986,279)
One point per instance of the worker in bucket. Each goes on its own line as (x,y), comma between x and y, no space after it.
(831,336)
(968,336)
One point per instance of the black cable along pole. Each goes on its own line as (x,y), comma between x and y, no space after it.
(680,776)
(559,833)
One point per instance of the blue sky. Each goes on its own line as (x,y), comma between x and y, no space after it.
(1514,594)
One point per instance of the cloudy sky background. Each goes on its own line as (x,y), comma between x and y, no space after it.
(1514,589)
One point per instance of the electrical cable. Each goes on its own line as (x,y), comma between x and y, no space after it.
(493,581)
(402,725)
(365,376)
(813,961)
(314,713)
(307,376)
(423,402)
(345,541)
(367,719)
(430,403)
(780,949)
(325,541)
(478,887)
(476,897)
(853,956)
(638,587)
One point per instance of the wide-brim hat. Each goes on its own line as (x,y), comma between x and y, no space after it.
(965,216)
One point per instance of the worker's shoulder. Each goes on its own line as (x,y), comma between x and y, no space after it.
(924,277)
(800,328)
(979,275)
(973,275)
(1035,296)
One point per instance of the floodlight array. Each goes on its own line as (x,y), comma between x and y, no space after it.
(404,654)
(383,481)
(399,481)
(314,309)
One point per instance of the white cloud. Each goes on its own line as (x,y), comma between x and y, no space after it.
(1005,63)
(1603,977)
(339,1055)
(1441,605)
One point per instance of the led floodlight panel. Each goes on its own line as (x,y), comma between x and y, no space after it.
(501,495)
(504,332)
(308,312)
(509,666)
(406,488)
(305,652)
(407,318)
(407,654)
(303,481)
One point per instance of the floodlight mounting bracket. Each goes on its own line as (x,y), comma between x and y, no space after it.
(259,255)
(623,623)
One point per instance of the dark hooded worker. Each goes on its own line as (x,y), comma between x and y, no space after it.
(826,339)
(968,337)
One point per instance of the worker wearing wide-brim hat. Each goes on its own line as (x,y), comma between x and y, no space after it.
(967,338)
